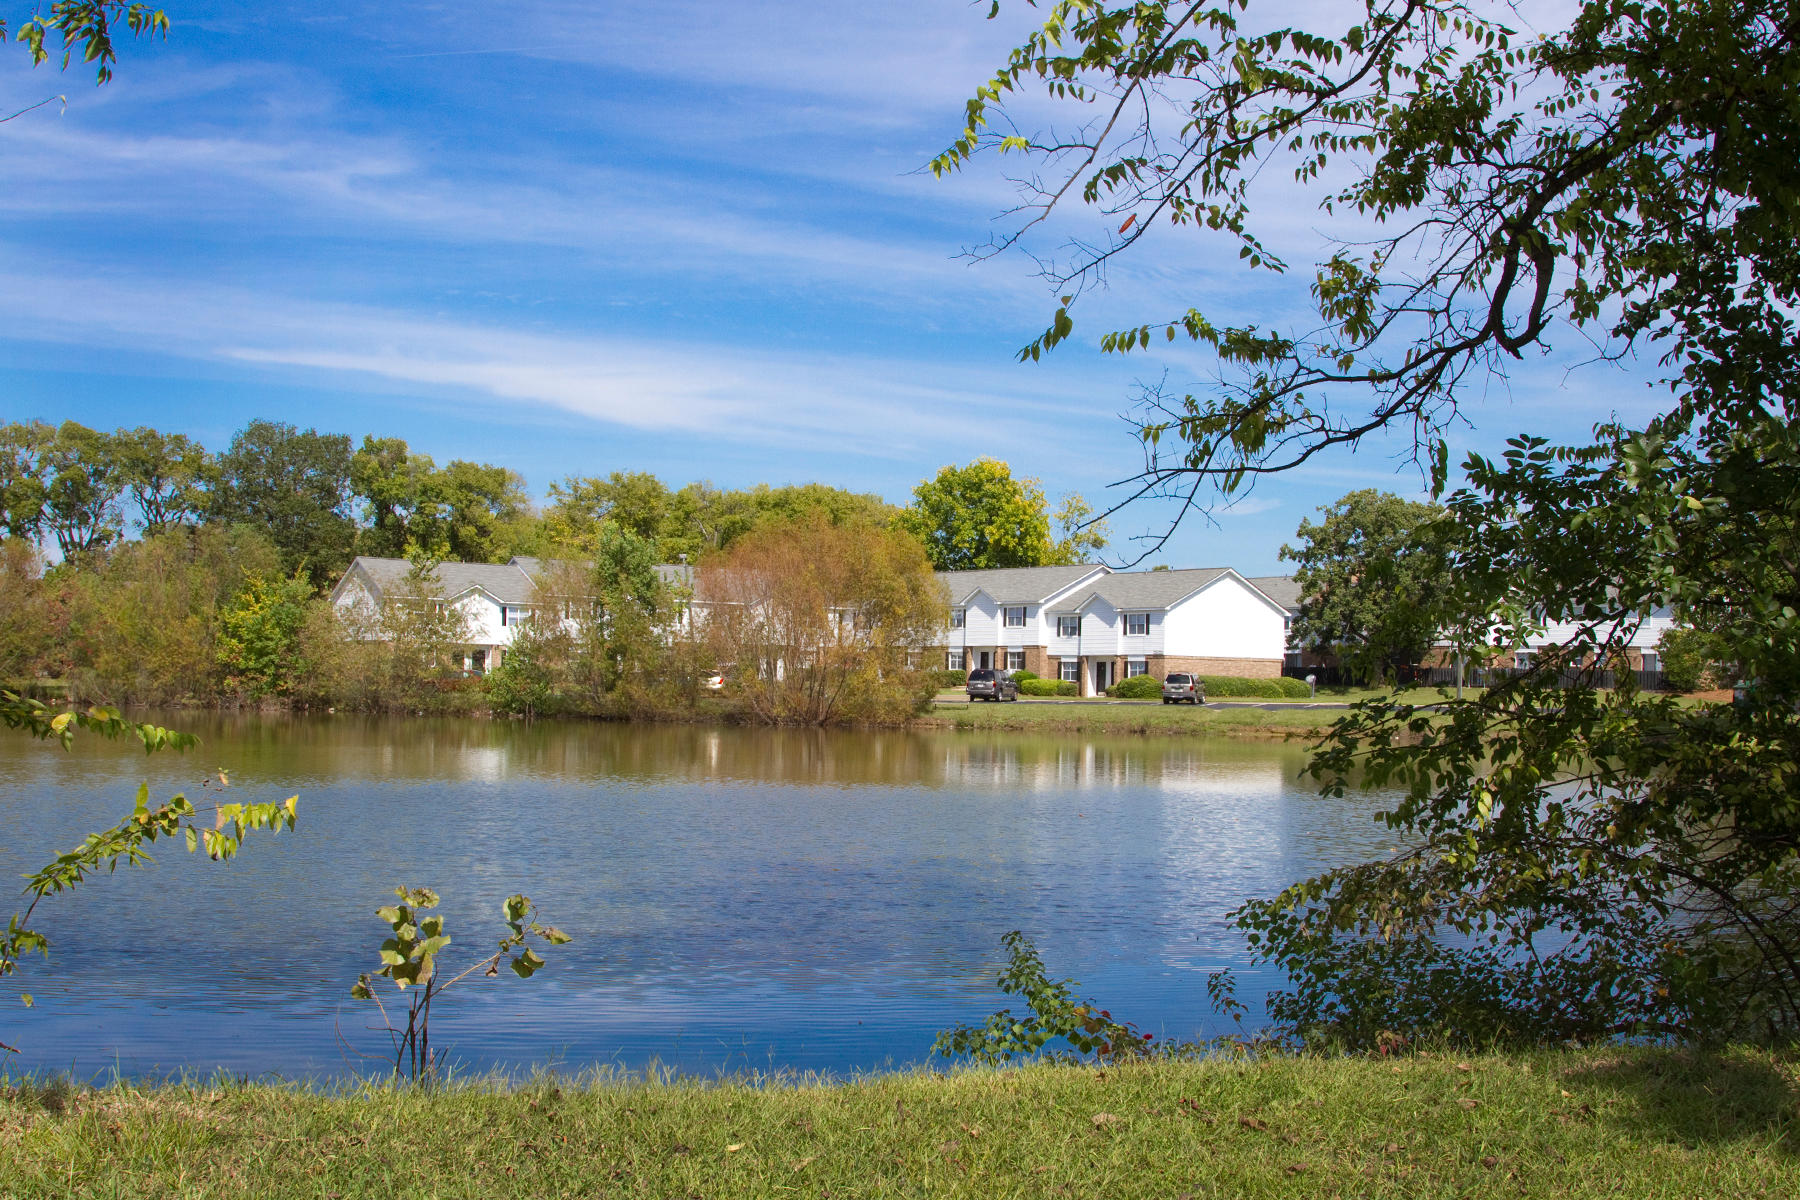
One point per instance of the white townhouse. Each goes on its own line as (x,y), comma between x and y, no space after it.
(495,598)
(1208,621)
(1641,633)
(1093,626)
(1285,591)
(997,616)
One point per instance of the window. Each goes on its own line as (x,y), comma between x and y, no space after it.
(1522,659)
(1069,670)
(953,661)
(957,617)
(1137,624)
(514,614)
(1136,666)
(1652,661)
(1068,627)
(1015,617)
(1015,660)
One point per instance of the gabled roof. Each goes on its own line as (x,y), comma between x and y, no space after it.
(673,574)
(1143,589)
(1282,589)
(1151,590)
(1017,585)
(505,582)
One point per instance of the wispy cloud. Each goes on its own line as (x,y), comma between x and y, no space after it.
(800,399)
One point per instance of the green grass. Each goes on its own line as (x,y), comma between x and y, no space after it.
(1129,717)
(1620,1122)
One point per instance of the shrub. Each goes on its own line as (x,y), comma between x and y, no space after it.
(1046,687)
(1690,660)
(949,679)
(1294,689)
(1138,687)
(1024,676)
(1246,688)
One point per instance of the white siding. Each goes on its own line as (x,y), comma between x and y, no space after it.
(1645,638)
(1226,619)
(482,612)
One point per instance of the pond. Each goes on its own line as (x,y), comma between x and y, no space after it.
(740,899)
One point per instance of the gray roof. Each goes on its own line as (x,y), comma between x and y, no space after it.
(1282,589)
(1144,589)
(1016,585)
(673,574)
(505,582)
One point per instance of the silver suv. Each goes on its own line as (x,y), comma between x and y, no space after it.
(985,683)
(1180,686)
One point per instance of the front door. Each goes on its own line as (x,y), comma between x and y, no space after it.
(1103,675)
(987,659)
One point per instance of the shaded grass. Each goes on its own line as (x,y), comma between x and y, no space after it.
(1637,1122)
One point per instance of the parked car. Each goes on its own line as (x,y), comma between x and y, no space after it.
(1181,687)
(986,683)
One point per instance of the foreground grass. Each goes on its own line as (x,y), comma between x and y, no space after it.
(1632,1122)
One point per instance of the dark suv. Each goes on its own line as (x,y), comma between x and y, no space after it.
(1181,686)
(985,683)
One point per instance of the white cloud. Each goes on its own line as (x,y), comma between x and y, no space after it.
(800,399)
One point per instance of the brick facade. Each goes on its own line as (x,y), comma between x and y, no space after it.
(1246,668)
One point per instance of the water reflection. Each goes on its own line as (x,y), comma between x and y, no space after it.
(739,897)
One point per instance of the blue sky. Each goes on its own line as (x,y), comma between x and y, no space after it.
(575,236)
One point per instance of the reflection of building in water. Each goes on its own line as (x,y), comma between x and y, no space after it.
(1062,765)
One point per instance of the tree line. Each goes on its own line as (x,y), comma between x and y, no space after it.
(188,575)
(321,500)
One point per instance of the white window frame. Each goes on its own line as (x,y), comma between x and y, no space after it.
(1523,659)
(953,660)
(1136,666)
(1132,618)
(959,617)
(1006,616)
(1652,660)
(1068,670)
(1015,660)
(1068,626)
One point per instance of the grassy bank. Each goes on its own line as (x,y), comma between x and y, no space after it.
(1130,717)
(1558,1124)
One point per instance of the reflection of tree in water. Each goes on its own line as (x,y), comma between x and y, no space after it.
(693,862)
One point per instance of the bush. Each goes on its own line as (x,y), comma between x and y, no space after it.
(948,679)
(1024,676)
(1138,687)
(1046,687)
(1245,688)
(1690,661)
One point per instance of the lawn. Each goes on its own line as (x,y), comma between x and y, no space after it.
(1561,1124)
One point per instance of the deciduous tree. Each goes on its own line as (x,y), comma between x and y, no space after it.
(1579,863)
(1373,577)
(295,486)
(169,476)
(979,516)
(823,623)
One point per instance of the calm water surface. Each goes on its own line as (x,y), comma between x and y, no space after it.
(739,899)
